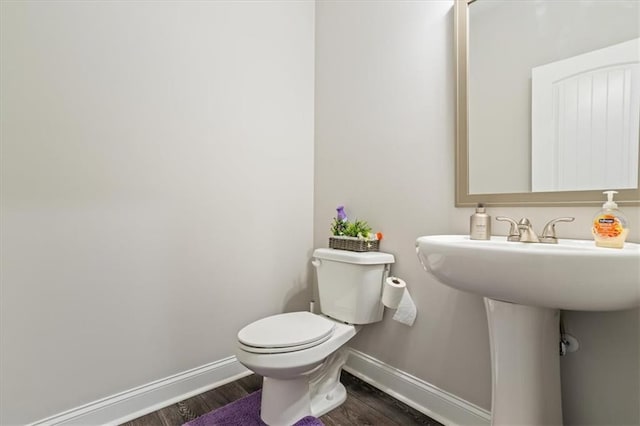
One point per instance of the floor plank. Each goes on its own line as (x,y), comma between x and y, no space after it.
(384,403)
(365,405)
(355,412)
(150,419)
(221,396)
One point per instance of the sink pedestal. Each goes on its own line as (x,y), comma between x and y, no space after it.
(525,364)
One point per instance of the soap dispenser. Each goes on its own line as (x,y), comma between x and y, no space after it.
(480,224)
(610,226)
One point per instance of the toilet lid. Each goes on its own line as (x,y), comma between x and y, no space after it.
(286,332)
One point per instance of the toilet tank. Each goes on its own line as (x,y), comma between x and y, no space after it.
(350,284)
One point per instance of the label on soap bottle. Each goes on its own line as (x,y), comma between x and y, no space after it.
(607,226)
(609,231)
(480,227)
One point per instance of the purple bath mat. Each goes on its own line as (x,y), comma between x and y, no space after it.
(243,412)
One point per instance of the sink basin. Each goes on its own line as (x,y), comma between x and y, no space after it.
(573,274)
(524,286)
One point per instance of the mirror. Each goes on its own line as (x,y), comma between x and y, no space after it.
(499,134)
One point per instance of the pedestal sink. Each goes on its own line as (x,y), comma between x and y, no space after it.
(524,286)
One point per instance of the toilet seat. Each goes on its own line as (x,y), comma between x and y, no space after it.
(285,333)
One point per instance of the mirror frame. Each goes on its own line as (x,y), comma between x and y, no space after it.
(463,197)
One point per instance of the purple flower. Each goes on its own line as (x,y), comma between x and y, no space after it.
(342,216)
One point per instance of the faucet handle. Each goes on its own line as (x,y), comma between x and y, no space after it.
(514,232)
(549,231)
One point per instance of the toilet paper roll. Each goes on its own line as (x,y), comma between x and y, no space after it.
(392,292)
(396,296)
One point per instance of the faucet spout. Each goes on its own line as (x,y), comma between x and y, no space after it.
(527,234)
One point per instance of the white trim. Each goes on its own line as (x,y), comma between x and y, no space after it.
(133,403)
(136,402)
(424,397)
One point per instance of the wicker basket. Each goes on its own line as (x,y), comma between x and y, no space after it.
(353,244)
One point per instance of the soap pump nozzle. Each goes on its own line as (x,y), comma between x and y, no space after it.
(610,204)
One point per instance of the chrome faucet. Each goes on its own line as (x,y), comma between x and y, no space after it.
(523,231)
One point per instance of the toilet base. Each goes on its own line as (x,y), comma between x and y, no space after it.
(291,401)
(284,402)
(322,404)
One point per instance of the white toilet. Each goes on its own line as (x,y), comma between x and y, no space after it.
(299,353)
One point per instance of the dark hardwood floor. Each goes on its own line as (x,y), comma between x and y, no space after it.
(365,405)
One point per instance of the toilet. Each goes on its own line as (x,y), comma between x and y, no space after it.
(300,354)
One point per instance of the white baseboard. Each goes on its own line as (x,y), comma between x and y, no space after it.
(136,402)
(128,405)
(440,405)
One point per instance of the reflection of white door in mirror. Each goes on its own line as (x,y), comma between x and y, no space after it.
(586,120)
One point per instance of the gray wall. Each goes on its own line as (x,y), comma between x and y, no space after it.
(157,179)
(384,147)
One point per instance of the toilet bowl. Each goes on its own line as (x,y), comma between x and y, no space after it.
(300,354)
